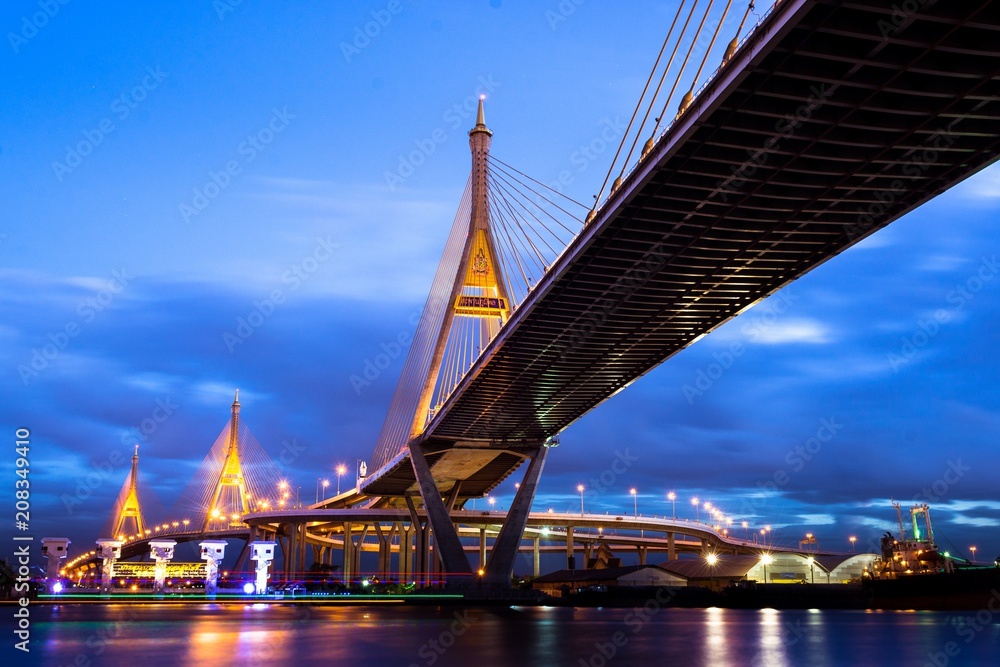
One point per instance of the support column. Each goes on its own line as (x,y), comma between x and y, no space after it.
(303,547)
(405,553)
(482,548)
(212,552)
(263,553)
(501,562)
(449,547)
(358,548)
(642,554)
(348,553)
(109,551)
(162,552)
(570,555)
(671,547)
(420,544)
(537,570)
(55,549)
(385,549)
(292,552)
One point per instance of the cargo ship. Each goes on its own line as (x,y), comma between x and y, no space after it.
(913,573)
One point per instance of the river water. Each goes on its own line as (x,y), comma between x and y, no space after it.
(154,635)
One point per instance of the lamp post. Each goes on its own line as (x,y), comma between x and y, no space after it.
(341,471)
(581,488)
(635,502)
(492,501)
(973,550)
(852,539)
(697,506)
(746,529)
(672,497)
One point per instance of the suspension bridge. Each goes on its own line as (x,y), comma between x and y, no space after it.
(824,121)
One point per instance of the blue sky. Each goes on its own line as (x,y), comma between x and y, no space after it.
(170,170)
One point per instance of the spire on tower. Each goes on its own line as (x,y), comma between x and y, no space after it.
(481,120)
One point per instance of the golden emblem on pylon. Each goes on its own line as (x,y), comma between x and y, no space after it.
(479,263)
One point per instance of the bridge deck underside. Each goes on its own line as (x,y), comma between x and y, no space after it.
(828,125)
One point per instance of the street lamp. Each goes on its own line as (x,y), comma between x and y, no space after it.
(635,502)
(852,539)
(492,501)
(973,550)
(341,471)
(581,488)
(746,529)
(766,560)
(672,497)
(697,504)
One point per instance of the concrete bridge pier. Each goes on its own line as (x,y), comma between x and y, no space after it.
(449,547)
(500,565)
(385,549)
(359,548)
(348,568)
(405,557)
(570,549)
(536,560)
(671,547)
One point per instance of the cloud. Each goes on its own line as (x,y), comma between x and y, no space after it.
(984,185)
(795,330)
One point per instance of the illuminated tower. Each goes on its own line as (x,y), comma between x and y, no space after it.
(129,504)
(230,497)
(478,292)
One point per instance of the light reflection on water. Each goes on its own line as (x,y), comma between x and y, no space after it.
(151,635)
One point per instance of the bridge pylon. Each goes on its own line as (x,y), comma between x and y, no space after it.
(128,506)
(475,307)
(230,498)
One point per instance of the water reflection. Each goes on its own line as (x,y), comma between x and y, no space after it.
(274,634)
(716,642)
